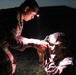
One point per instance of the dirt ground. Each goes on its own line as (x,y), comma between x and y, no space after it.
(27,63)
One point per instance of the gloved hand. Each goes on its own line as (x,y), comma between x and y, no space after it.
(50,67)
(64,63)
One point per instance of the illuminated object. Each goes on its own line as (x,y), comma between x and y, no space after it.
(38,15)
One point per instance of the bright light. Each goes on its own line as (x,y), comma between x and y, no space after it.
(37,15)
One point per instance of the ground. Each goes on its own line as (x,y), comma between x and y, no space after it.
(27,63)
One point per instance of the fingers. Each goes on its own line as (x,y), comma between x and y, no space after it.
(52,70)
(66,61)
(50,67)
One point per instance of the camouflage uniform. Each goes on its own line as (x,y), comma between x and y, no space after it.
(11,26)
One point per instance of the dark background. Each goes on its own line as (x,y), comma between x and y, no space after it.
(51,19)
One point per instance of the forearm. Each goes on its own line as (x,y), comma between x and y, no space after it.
(68,61)
(35,43)
(21,43)
(54,69)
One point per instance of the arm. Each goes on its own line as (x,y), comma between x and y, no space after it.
(53,69)
(64,63)
(21,43)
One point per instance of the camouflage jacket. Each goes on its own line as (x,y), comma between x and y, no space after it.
(11,26)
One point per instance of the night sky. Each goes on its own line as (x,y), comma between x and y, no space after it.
(42,3)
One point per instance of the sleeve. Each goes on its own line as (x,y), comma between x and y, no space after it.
(21,43)
(13,38)
(51,68)
(65,63)
(14,41)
